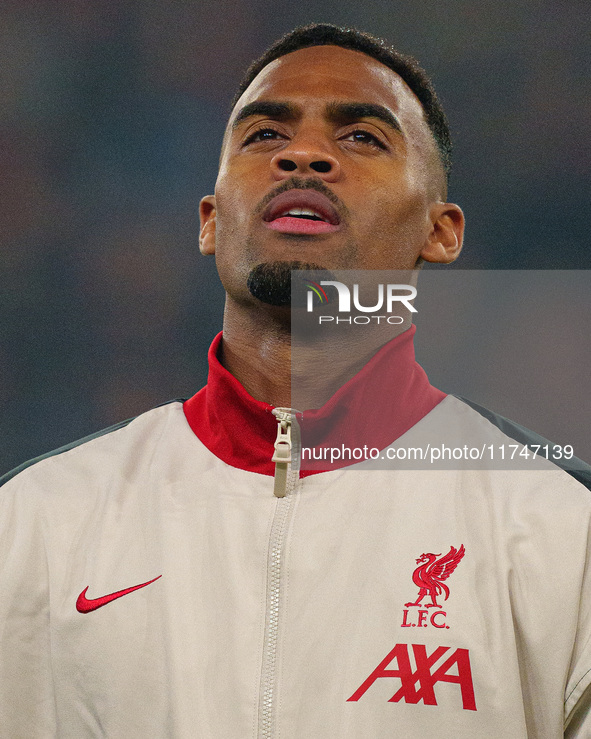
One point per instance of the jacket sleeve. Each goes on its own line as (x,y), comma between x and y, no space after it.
(577,706)
(27,703)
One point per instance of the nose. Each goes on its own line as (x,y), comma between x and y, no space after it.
(305,159)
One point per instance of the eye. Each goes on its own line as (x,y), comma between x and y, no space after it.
(360,136)
(263,134)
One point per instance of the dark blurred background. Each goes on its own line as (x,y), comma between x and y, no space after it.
(111,119)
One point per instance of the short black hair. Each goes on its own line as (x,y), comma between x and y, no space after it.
(406,67)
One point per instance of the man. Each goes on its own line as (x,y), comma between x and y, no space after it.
(158,581)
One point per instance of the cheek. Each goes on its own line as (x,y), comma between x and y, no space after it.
(396,212)
(393,232)
(235,200)
(225,196)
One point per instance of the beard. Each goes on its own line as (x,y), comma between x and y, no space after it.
(271,282)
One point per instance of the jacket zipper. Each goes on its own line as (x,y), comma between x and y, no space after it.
(286,478)
(283,449)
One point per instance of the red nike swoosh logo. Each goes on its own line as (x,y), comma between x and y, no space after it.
(86,605)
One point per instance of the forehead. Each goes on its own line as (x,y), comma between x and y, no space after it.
(328,73)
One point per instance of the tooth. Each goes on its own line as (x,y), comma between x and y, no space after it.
(301,212)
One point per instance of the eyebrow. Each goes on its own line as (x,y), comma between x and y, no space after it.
(268,108)
(337,112)
(349,112)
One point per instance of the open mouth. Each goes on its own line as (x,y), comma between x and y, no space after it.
(307,212)
(302,213)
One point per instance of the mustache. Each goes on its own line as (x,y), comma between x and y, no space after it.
(305,183)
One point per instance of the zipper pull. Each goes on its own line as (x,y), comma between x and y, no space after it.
(282,455)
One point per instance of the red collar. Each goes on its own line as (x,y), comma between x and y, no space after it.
(379,404)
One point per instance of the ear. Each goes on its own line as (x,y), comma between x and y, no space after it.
(207,216)
(444,243)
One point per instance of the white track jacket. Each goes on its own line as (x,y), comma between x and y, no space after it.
(152,584)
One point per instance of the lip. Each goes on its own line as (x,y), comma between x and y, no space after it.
(302,226)
(296,198)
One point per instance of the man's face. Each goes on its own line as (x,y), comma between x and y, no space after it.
(337,135)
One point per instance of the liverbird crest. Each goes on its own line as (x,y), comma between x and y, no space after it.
(431,573)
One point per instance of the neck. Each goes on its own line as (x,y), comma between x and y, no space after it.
(257,350)
(276,368)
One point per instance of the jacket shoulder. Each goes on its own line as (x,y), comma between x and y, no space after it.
(79,443)
(575,467)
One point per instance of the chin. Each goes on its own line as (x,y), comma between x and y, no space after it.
(270,282)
